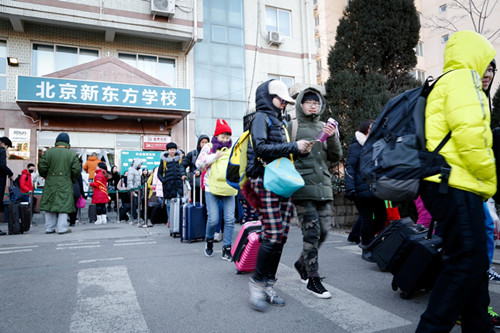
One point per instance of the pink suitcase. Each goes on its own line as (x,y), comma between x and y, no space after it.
(246,247)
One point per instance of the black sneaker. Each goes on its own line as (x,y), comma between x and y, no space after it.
(209,248)
(226,253)
(302,271)
(495,319)
(316,288)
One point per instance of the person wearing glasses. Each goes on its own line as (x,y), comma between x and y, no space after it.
(314,201)
(269,142)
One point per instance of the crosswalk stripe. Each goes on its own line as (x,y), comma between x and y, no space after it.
(351,248)
(77,244)
(89,261)
(106,302)
(343,309)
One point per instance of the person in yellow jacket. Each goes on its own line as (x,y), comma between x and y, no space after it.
(458,104)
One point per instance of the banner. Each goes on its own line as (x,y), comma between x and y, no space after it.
(20,144)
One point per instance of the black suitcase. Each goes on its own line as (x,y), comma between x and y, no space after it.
(159,214)
(419,263)
(14,225)
(385,246)
(26,216)
(92,213)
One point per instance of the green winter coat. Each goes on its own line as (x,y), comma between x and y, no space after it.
(313,167)
(61,168)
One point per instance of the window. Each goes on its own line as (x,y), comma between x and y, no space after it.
(318,65)
(318,42)
(442,8)
(444,38)
(419,75)
(278,20)
(52,58)
(316,20)
(3,65)
(419,50)
(161,68)
(288,80)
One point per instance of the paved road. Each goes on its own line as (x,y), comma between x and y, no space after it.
(121,278)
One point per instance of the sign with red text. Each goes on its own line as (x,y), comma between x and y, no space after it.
(155,142)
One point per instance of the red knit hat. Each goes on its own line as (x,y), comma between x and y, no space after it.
(222,127)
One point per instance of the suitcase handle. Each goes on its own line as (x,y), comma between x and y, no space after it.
(194,191)
(431,229)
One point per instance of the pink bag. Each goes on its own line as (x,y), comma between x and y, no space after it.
(80,203)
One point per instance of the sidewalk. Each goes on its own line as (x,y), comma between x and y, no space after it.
(81,231)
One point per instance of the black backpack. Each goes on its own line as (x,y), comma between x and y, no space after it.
(394,159)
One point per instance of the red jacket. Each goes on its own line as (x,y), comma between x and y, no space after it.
(100,186)
(25,182)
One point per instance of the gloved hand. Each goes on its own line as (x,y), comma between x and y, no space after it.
(350,194)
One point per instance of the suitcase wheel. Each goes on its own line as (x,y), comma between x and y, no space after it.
(237,272)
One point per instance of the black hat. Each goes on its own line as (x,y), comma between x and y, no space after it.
(310,96)
(102,165)
(7,141)
(493,63)
(171,145)
(64,137)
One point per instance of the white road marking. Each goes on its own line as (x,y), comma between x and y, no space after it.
(15,251)
(138,243)
(17,247)
(343,309)
(77,247)
(77,244)
(129,240)
(351,248)
(106,302)
(98,260)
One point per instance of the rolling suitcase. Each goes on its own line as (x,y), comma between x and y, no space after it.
(175,217)
(194,221)
(92,213)
(246,247)
(419,264)
(385,246)
(159,214)
(25,215)
(14,224)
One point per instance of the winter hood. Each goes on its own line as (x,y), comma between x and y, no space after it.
(137,163)
(203,136)
(299,111)
(166,158)
(264,101)
(468,50)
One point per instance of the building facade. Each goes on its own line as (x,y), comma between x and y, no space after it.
(116,75)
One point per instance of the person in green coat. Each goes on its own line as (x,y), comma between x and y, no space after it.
(61,168)
(314,201)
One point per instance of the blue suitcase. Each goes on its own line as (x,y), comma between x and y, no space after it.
(194,220)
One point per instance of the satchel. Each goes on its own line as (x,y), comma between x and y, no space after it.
(281,177)
(80,202)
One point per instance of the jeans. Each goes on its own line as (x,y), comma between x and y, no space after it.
(462,286)
(228,204)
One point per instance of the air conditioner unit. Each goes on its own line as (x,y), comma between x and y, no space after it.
(163,7)
(275,37)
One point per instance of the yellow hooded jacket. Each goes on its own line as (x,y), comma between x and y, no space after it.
(458,104)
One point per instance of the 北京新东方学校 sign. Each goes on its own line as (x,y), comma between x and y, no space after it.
(53,90)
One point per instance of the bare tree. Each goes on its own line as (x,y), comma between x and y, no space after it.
(477,11)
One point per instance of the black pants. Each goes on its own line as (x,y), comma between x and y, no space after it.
(101,208)
(462,286)
(373,214)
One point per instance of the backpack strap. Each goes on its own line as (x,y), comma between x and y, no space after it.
(445,169)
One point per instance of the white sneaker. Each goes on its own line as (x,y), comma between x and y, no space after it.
(217,236)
